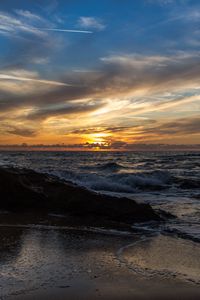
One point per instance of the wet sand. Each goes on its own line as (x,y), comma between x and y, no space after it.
(48,262)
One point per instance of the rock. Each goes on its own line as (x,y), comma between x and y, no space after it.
(26,190)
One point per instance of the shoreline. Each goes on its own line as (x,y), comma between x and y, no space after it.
(81,265)
(62,241)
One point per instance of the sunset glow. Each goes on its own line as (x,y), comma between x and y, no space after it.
(112,74)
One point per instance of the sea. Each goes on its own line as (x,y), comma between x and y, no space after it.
(168,181)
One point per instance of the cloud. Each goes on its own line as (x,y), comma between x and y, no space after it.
(140,78)
(11,25)
(116,90)
(153,130)
(159,130)
(28,15)
(83,108)
(24,132)
(28,23)
(181,126)
(33,79)
(27,44)
(91,23)
(104,99)
(102,129)
(32,39)
(137,132)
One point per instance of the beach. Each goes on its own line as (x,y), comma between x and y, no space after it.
(48,262)
(63,240)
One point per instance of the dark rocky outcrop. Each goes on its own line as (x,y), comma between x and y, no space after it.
(26,190)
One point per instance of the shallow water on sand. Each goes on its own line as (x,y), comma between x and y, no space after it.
(163,256)
(35,260)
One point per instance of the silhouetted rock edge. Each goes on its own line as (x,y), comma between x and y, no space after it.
(25,190)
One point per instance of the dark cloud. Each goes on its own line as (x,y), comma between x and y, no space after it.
(177,127)
(24,132)
(65,110)
(118,145)
(101,129)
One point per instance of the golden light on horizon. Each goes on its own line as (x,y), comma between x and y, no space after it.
(99,138)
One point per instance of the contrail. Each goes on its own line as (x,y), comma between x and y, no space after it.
(11,77)
(66,30)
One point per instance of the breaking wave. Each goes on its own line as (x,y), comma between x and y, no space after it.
(169,181)
(122,182)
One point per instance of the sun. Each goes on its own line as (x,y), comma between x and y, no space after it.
(98,141)
(99,137)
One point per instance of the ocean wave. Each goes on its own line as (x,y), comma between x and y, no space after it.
(187,183)
(110,166)
(127,182)
(120,182)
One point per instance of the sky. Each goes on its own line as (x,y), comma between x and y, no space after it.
(100,74)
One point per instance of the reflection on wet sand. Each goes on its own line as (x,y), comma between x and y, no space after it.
(10,245)
(41,263)
(40,259)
